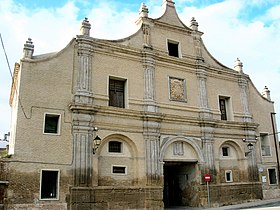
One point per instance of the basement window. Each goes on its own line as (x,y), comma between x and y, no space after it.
(228,176)
(119,169)
(272,176)
(49,185)
(51,123)
(173,48)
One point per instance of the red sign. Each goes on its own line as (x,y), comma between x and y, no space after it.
(207,177)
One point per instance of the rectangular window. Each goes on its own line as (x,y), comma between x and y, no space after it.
(228,176)
(272,176)
(265,145)
(119,169)
(173,48)
(116,93)
(52,123)
(225,151)
(49,184)
(115,146)
(223,109)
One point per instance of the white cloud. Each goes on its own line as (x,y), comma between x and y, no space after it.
(254,42)
(110,23)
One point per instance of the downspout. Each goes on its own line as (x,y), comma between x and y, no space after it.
(275,142)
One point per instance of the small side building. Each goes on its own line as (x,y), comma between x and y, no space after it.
(166,111)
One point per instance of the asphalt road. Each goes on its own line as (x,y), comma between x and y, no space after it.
(274,205)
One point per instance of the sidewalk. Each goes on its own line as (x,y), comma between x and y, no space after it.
(258,203)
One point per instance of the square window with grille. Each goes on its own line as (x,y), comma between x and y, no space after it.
(117,93)
(52,124)
(115,146)
(49,184)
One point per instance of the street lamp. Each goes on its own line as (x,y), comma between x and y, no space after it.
(250,147)
(96,143)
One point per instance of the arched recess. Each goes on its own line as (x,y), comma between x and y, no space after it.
(193,142)
(127,159)
(180,159)
(132,146)
(237,148)
(231,161)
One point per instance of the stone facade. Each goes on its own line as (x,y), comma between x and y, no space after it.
(167,113)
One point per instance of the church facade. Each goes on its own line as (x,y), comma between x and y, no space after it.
(167,114)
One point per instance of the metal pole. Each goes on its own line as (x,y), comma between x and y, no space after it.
(275,142)
(208,194)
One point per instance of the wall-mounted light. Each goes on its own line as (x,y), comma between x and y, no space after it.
(96,141)
(250,147)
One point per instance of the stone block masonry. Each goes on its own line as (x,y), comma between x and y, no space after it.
(116,198)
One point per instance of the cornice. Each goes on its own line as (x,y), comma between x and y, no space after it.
(172,27)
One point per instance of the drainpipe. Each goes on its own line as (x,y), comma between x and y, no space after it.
(275,142)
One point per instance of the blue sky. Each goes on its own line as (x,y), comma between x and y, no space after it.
(252,9)
(248,29)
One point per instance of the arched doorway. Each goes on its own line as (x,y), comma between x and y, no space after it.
(179,183)
(181,172)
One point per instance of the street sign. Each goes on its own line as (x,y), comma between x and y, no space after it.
(207,177)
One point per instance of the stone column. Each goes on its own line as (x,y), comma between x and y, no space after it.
(203,96)
(83,136)
(250,137)
(207,126)
(152,144)
(243,86)
(208,147)
(85,52)
(149,81)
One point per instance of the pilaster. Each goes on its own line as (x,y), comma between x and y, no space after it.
(243,87)
(83,135)
(250,137)
(84,92)
(149,81)
(152,123)
(196,40)
(207,130)
(205,112)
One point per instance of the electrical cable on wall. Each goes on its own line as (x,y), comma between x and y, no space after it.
(8,63)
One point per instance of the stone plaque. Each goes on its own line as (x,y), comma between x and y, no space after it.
(178,148)
(177,89)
